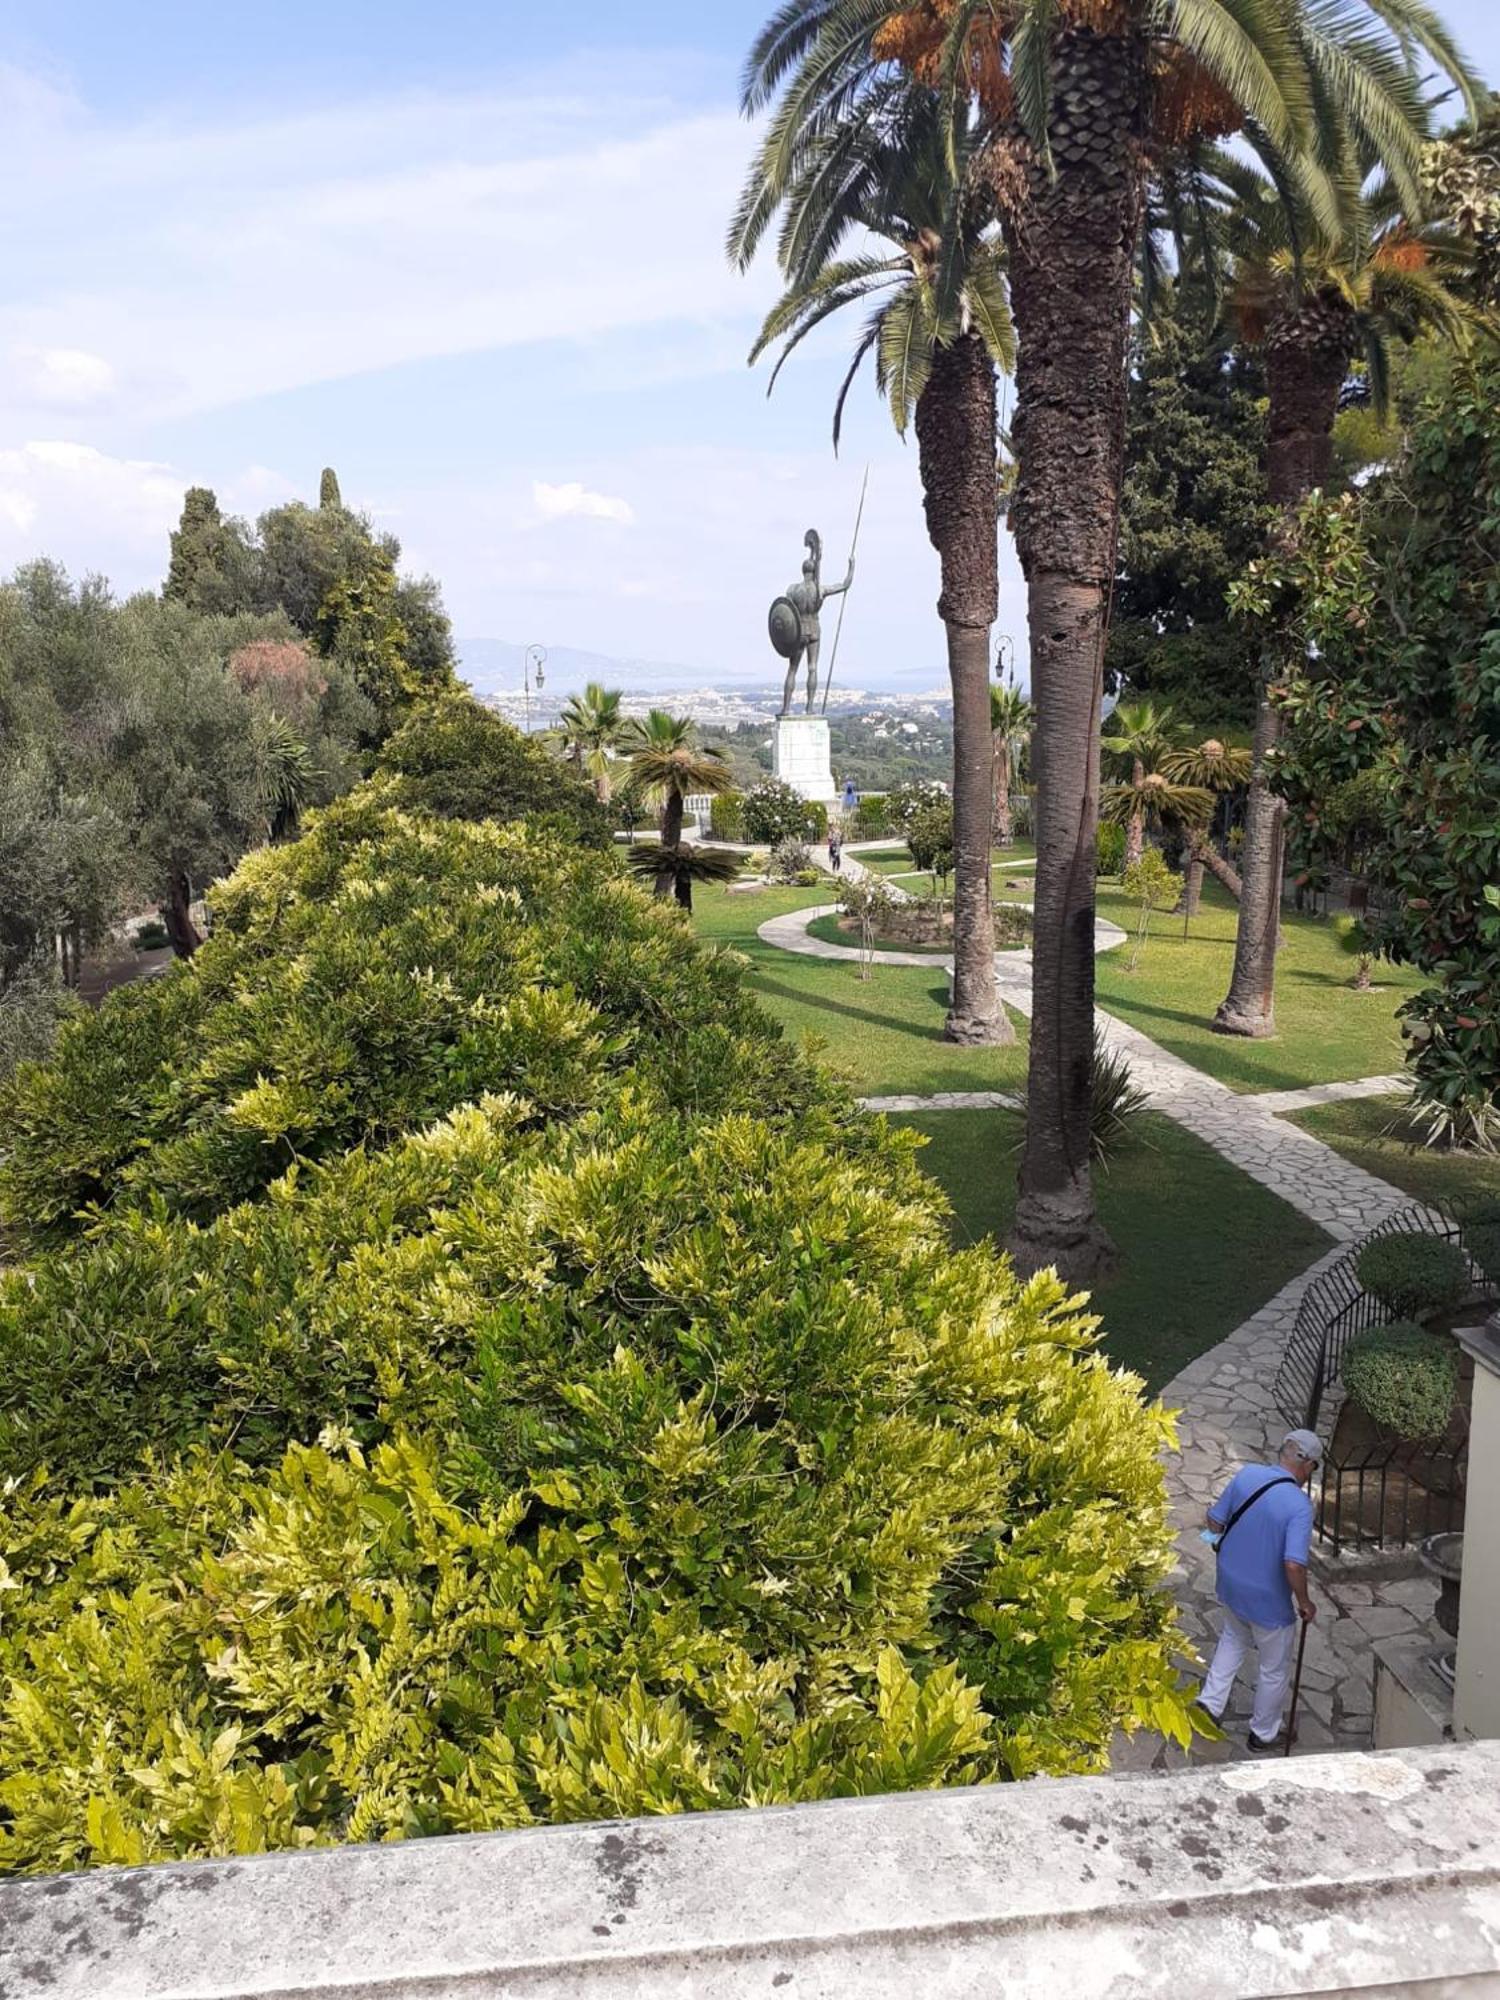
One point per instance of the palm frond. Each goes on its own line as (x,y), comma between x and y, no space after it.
(989,305)
(1031,75)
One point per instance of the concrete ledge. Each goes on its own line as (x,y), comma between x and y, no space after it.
(1321,1875)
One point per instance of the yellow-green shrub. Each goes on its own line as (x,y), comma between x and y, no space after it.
(592,1418)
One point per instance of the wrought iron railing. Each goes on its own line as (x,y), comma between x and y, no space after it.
(1383,1492)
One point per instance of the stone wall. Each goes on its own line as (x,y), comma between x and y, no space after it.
(1341,1874)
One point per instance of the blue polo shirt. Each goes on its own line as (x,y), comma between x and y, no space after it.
(1277,1530)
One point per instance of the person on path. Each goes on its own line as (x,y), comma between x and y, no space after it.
(836,851)
(1261,1526)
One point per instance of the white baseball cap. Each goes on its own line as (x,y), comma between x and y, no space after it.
(1307,1442)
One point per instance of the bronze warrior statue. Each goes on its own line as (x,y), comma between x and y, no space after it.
(794,625)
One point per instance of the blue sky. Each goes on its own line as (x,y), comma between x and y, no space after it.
(468,254)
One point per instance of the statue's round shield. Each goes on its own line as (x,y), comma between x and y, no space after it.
(785,625)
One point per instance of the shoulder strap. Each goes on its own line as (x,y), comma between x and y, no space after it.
(1245,1505)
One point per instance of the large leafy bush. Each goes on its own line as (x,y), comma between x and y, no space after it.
(501,1381)
(361,982)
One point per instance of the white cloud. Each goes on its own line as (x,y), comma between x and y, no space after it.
(64,377)
(86,508)
(557,503)
(207,266)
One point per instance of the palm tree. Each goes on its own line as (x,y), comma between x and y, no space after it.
(1153,801)
(1078,98)
(591,726)
(666,765)
(690,864)
(1138,732)
(1311,304)
(1011,716)
(939,328)
(1218,768)
(285,775)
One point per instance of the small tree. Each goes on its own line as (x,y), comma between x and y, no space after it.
(869,901)
(929,835)
(1355,938)
(1151,885)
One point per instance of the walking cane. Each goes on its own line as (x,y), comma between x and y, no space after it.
(1291,1725)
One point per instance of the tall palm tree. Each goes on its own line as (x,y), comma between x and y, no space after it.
(1135,736)
(1311,303)
(591,725)
(1080,99)
(939,328)
(1011,717)
(1218,768)
(667,764)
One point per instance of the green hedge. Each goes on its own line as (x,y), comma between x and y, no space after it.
(1414,1274)
(1405,1378)
(592,1418)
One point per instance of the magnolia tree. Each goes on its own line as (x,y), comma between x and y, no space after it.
(1395,597)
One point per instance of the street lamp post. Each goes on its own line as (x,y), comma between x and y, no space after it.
(1005,657)
(536,660)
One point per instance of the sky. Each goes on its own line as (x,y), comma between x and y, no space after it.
(469,254)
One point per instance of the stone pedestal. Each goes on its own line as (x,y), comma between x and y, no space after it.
(802,758)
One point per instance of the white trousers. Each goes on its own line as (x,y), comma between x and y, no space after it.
(1273,1645)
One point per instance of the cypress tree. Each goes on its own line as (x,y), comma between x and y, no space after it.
(329,496)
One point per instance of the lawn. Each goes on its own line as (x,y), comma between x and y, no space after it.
(1203,1245)
(1326,1032)
(885,1033)
(1375,1134)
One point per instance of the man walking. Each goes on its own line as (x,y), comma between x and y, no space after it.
(1261,1526)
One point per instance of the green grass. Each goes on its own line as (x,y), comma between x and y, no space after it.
(1326,1032)
(1203,1246)
(1375,1133)
(884,1033)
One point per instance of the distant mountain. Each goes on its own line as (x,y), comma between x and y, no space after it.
(495,667)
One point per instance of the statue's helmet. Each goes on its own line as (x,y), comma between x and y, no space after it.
(814,562)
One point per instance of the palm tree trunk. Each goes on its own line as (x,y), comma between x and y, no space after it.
(956,423)
(1005,832)
(1206,856)
(1135,832)
(1304,384)
(1072,239)
(671,839)
(176,914)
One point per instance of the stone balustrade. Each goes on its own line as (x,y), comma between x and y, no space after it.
(1352,1874)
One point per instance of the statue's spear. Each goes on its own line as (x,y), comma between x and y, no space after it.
(838,631)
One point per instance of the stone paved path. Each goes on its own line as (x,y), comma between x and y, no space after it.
(1225,1398)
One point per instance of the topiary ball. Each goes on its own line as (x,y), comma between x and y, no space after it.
(1405,1378)
(1414,1275)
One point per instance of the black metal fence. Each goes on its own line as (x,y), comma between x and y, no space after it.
(1376,1491)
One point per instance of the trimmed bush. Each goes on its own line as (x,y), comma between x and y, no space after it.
(872,817)
(591,1419)
(1404,1378)
(1109,853)
(814,820)
(1414,1275)
(726,816)
(1481,1237)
